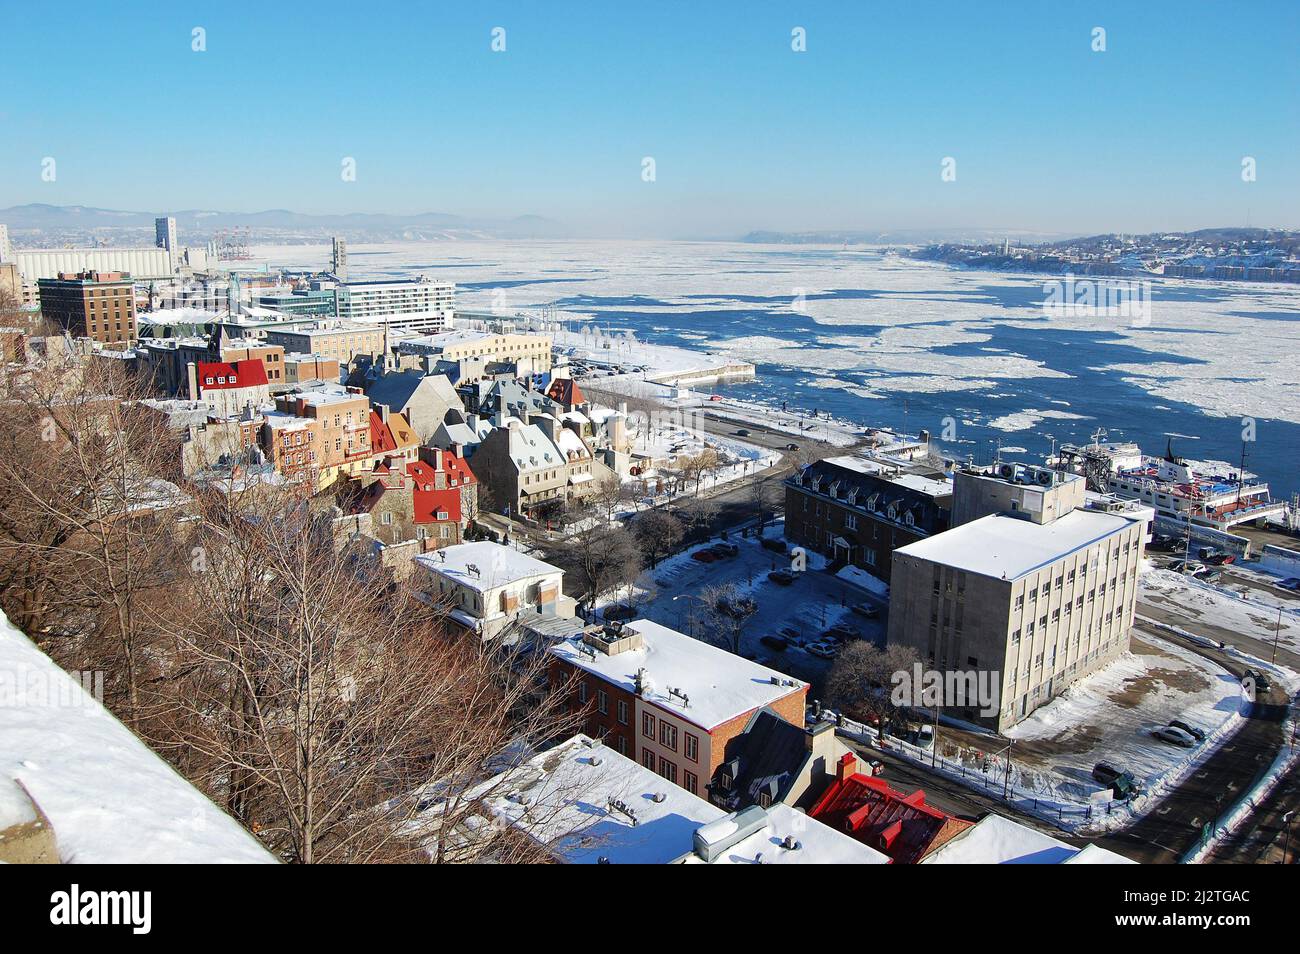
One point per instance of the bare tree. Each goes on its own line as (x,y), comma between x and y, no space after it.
(659,533)
(726,614)
(596,559)
(325,706)
(861,680)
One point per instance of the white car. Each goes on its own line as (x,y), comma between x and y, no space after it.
(925,737)
(824,650)
(1175,736)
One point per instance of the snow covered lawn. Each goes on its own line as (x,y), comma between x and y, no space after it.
(1108,716)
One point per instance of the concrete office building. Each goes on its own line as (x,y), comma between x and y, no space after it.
(1035,589)
(417,305)
(339,340)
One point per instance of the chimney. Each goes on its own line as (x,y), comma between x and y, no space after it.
(383,412)
(847,765)
(192,375)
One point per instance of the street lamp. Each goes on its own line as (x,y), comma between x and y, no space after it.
(1286,841)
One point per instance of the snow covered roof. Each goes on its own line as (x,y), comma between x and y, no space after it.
(786,837)
(996,840)
(1010,547)
(718,685)
(587,803)
(109,798)
(925,485)
(493,565)
(592,803)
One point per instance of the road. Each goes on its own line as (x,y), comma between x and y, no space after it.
(1262,838)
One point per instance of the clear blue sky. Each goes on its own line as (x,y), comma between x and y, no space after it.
(746,133)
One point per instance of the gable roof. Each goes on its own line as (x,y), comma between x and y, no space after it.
(397,388)
(566,392)
(224,375)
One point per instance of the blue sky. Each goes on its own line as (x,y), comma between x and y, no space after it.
(746,133)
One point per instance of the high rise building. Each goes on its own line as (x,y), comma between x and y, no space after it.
(339,259)
(418,305)
(6,250)
(165,233)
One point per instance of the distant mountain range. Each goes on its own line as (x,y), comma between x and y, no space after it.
(36,223)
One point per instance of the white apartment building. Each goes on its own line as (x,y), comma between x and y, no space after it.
(465,344)
(417,305)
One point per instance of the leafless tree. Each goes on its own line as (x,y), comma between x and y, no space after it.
(596,559)
(861,680)
(726,613)
(659,533)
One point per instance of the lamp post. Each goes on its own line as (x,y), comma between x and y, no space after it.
(1286,840)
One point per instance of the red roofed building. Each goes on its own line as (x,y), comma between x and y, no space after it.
(228,387)
(429,500)
(865,807)
(565,392)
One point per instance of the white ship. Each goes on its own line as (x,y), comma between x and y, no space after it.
(1209,493)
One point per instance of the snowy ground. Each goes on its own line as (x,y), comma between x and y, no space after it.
(816,601)
(1109,715)
(1254,615)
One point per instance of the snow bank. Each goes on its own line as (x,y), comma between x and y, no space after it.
(110,799)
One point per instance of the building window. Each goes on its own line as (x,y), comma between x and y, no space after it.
(602,702)
(668,770)
(647,725)
(692,784)
(692,747)
(668,736)
(648,760)
(582,693)
(622,711)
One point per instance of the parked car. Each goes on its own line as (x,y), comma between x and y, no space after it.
(1291,583)
(1193,731)
(875,767)
(743,432)
(1209,575)
(1117,780)
(823,650)
(775,544)
(704,556)
(1217,557)
(779,643)
(791,446)
(725,549)
(1187,566)
(783,577)
(866,609)
(1161,543)
(1260,679)
(841,633)
(1173,736)
(925,737)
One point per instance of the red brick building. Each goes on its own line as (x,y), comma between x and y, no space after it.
(97,305)
(670,701)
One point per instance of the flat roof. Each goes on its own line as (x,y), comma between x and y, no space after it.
(718,685)
(496,565)
(1008,547)
(995,840)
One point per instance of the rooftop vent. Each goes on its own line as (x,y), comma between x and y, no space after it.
(711,841)
(791,843)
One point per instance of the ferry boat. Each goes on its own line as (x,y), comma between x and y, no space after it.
(1208,493)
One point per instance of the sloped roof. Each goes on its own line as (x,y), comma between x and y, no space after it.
(566,392)
(902,826)
(224,375)
(397,388)
(769,754)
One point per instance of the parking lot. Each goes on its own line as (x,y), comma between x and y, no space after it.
(814,602)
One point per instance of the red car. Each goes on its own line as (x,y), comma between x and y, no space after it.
(704,556)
